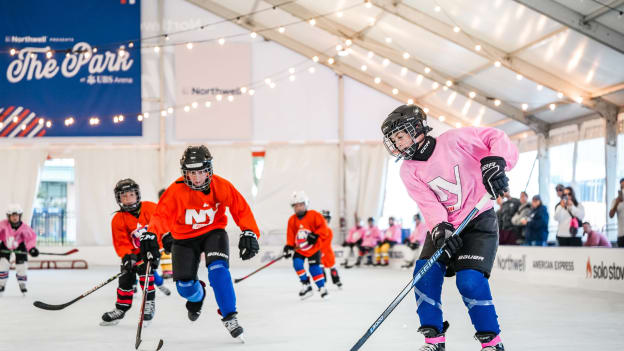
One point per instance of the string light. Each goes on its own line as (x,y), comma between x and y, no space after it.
(348,42)
(539,87)
(208,104)
(291,78)
(146,115)
(41,121)
(385,62)
(367,4)
(525,107)
(230,98)
(456,29)
(315,58)
(170,110)
(219,97)
(15,119)
(312,22)
(163,113)
(578,99)
(442,118)
(243,90)
(156,49)
(115,119)
(370,54)
(194,104)
(458,125)
(519,76)
(12,52)
(377,80)
(435,85)
(472,94)
(406,55)
(221,41)
(403,71)
(395,91)
(426,110)
(121,118)
(49,54)
(449,83)
(272,85)
(339,14)
(311,70)
(338,47)
(187,108)
(497,102)
(444,87)
(410,101)
(388,40)
(427,70)
(497,64)
(49,124)
(131,45)
(189,46)
(478,47)
(281,30)
(437,9)
(95,49)
(330,60)
(552,107)
(252,92)
(560,95)
(166,37)
(371,21)
(140,118)
(291,70)
(253,35)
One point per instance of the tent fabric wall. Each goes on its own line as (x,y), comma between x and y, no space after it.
(97,171)
(20,178)
(288,168)
(365,173)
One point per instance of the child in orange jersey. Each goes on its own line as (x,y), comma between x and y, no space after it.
(190,220)
(127,226)
(328,258)
(306,231)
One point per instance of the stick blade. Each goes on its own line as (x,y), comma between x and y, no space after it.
(149,346)
(237,280)
(46,306)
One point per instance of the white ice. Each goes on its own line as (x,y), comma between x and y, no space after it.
(532,317)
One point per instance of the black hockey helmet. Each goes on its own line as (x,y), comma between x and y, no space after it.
(326,214)
(124,186)
(409,119)
(196,159)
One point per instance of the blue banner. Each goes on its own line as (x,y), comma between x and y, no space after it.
(70,68)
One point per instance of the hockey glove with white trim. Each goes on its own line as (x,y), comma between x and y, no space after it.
(494,178)
(288,250)
(312,238)
(442,236)
(128,262)
(150,251)
(248,245)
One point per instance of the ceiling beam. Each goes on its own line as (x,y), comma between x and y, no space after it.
(602,10)
(339,67)
(340,30)
(488,51)
(575,20)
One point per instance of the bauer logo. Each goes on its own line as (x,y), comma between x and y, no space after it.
(604,271)
(510,263)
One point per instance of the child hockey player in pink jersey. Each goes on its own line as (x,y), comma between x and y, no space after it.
(447,176)
(19,237)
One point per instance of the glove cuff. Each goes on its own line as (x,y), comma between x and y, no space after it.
(496,159)
(249,233)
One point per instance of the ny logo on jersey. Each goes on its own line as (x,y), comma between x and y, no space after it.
(199,218)
(439,185)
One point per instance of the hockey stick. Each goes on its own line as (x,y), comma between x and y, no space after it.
(50,307)
(42,253)
(138,340)
(430,262)
(259,269)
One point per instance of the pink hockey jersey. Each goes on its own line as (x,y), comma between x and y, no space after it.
(393,233)
(12,238)
(372,236)
(355,234)
(449,184)
(419,233)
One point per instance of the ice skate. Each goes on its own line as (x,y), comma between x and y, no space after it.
(231,324)
(112,318)
(164,290)
(149,311)
(22,286)
(306,291)
(434,341)
(490,342)
(324,293)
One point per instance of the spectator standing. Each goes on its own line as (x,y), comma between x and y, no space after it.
(617,206)
(537,223)
(569,213)
(524,212)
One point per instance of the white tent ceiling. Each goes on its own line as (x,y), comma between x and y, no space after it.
(502,63)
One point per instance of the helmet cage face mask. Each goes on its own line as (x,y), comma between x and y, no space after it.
(411,132)
(204,167)
(125,189)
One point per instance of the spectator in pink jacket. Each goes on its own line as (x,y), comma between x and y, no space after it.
(370,239)
(390,237)
(353,240)
(415,240)
(17,237)
(594,238)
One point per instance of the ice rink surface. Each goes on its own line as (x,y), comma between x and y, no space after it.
(532,317)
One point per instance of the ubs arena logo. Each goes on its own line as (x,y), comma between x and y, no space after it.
(603,271)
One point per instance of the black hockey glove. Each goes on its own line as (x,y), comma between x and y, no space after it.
(312,238)
(494,178)
(288,251)
(128,262)
(442,236)
(345,244)
(248,245)
(167,241)
(33,252)
(149,249)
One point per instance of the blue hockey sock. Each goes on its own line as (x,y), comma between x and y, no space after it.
(158,280)
(221,283)
(301,272)
(475,291)
(190,290)
(317,275)
(428,293)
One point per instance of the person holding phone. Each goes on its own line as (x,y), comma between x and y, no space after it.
(569,214)
(617,206)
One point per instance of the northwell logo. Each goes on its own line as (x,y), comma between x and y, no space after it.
(602,271)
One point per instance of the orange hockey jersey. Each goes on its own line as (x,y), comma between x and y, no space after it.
(127,229)
(298,230)
(188,213)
